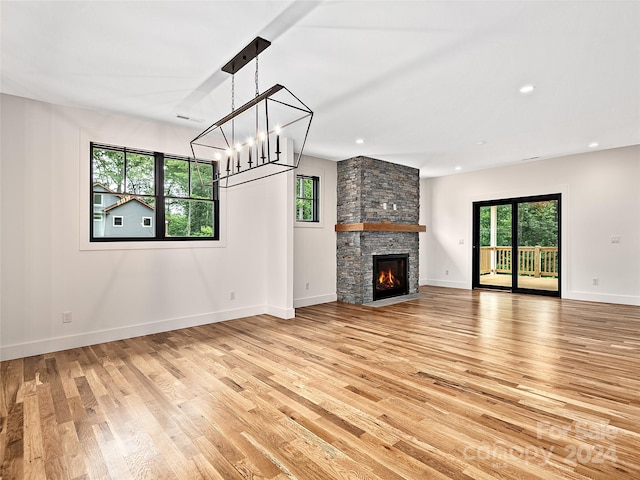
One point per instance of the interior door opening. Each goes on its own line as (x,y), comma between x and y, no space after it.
(516,244)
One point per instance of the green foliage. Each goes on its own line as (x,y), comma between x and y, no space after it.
(503,226)
(537,224)
(140,174)
(176,225)
(305,193)
(206,231)
(189,218)
(201,180)
(108,169)
(176,178)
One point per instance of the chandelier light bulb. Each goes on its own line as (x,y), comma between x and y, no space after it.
(228,160)
(277,143)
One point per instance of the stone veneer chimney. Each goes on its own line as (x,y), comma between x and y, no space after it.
(364,185)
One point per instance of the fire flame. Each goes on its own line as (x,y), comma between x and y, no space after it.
(387,280)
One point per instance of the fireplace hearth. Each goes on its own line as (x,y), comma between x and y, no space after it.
(390,276)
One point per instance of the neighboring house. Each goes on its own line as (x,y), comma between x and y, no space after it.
(120,215)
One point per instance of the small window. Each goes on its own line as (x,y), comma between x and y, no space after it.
(118,221)
(97,199)
(307,189)
(97,217)
(147,222)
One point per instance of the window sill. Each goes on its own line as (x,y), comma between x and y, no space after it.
(151,245)
(297,224)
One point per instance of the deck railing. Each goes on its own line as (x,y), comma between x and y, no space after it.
(535,261)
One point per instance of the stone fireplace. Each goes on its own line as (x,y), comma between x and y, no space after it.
(378,210)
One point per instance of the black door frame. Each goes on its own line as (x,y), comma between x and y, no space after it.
(514,237)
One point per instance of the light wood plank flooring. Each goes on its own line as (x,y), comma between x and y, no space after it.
(453,385)
(542,283)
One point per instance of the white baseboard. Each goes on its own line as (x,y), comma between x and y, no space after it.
(602,297)
(445,283)
(39,347)
(284,313)
(308,301)
(570,295)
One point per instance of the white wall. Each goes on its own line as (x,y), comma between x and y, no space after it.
(600,198)
(113,291)
(315,244)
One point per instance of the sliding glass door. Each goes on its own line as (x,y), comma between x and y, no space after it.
(516,244)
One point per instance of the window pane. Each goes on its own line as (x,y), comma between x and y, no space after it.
(308,188)
(108,169)
(122,216)
(201,180)
(140,174)
(176,178)
(305,210)
(189,218)
(299,187)
(306,199)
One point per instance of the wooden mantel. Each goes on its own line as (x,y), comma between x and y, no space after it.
(379,227)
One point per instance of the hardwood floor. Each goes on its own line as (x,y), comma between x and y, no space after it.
(453,385)
(542,283)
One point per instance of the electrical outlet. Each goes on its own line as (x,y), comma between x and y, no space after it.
(596,282)
(232,295)
(461,241)
(66,317)
(306,286)
(446,272)
(616,239)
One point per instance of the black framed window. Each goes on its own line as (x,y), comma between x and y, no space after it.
(307,201)
(142,195)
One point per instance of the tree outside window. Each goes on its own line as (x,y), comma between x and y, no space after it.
(307,204)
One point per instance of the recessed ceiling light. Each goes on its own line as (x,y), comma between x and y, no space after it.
(458,168)
(527,88)
(360,141)
(481,142)
(593,144)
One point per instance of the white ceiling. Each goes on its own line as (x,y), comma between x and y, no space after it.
(424,83)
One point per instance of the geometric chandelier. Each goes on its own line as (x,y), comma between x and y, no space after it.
(260,138)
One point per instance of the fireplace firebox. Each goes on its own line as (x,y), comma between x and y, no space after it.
(390,276)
